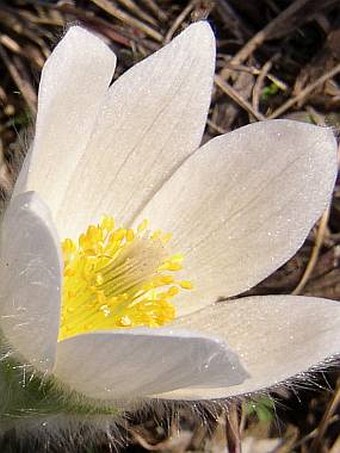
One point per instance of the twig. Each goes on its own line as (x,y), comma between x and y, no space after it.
(317,442)
(179,19)
(100,25)
(216,127)
(233,429)
(259,84)
(255,71)
(158,12)
(315,252)
(127,19)
(232,21)
(305,92)
(311,435)
(12,45)
(23,85)
(134,8)
(233,94)
(268,32)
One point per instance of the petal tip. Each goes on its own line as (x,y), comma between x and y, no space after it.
(309,134)
(75,37)
(199,34)
(76,32)
(201,26)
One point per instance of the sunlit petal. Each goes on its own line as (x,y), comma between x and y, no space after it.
(153,118)
(114,365)
(243,204)
(276,338)
(30,273)
(73,83)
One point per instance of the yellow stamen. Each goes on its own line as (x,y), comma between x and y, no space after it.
(186,284)
(118,278)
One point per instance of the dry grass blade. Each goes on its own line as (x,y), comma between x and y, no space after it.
(179,20)
(302,96)
(216,127)
(134,8)
(17,71)
(156,9)
(12,45)
(127,19)
(233,94)
(232,20)
(317,443)
(285,22)
(233,428)
(315,253)
(257,90)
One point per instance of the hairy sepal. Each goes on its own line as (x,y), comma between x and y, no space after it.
(31,401)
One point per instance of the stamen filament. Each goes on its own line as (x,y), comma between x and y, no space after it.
(118,278)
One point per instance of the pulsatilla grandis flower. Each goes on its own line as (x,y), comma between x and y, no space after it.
(122,235)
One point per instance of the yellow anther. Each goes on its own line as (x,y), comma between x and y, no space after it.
(173,291)
(119,234)
(83,241)
(68,246)
(94,233)
(125,321)
(156,235)
(118,278)
(107,223)
(166,279)
(99,279)
(130,235)
(171,266)
(101,299)
(143,226)
(186,284)
(68,272)
(165,238)
(178,258)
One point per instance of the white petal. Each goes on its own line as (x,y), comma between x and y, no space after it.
(276,338)
(130,364)
(152,120)
(30,276)
(73,83)
(243,204)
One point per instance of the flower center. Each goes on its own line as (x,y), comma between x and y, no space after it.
(118,278)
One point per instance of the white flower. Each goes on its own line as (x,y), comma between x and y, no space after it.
(238,208)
